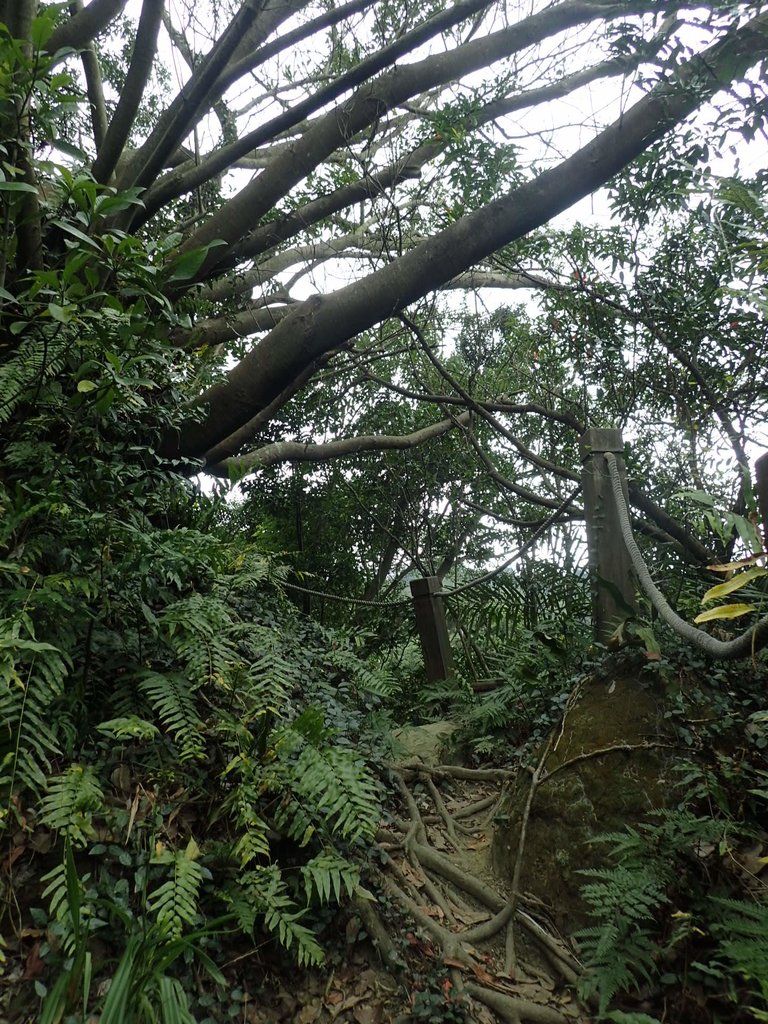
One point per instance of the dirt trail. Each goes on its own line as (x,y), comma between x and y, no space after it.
(445,941)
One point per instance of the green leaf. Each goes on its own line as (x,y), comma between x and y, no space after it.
(84,386)
(77,233)
(130,727)
(63,314)
(71,150)
(17,186)
(188,264)
(725,611)
(699,497)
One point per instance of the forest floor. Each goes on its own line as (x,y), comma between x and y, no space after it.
(445,941)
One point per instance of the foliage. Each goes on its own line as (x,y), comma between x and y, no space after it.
(682,909)
(183,744)
(152,667)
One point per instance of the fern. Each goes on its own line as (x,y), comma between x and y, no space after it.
(172,699)
(35,358)
(197,630)
(373,679)
(175,902)
(620,952)
(242,805)
(333,781)
(71,802)
(742,934)
(262,894)
(68,905)
(32,676)
(327,874)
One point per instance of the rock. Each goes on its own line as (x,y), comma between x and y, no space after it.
(423,743)
(593,795)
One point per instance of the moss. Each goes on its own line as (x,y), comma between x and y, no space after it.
(598,794)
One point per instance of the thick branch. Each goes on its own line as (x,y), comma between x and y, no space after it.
(136,80)
(85,26)
(297,451)
(177,184)
(194,100)
(669,525)
(323,323)
(370,103)
(93,84)
(405,168)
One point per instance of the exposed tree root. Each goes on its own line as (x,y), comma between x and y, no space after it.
(515,1010)
(458,772)
(433,887)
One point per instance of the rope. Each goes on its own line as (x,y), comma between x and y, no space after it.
(520,552)
(347,600)
(751,640)
(456,590)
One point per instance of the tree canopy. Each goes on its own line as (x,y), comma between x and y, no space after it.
(382,145)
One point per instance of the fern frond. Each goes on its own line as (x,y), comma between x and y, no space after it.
(327,874)
(175,902)
(71,802)
(742,934)
(262,893)
(32,676)
(172,699)
(37,356)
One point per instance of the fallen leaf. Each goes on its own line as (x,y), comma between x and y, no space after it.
(34,965)
(372,1013)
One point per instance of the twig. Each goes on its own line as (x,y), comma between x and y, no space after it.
(626,747)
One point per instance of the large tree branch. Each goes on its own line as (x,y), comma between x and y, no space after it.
(669,525)
(408,167)
(85,25)
(259,275)
(93,83)
(297,451)
(323,323)
(371,102)
(139,70)
(177,183)
(220,330)
(252,21)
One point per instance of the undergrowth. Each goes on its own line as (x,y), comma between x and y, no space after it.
(681,911)
(180,750)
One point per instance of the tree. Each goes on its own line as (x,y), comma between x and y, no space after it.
(368,149)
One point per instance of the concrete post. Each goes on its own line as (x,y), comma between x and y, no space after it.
(761,493)
(610,569)
(432,627)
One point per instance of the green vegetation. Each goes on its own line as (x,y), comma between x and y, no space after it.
(198,685)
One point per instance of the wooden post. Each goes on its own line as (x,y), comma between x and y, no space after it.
(761,492)
(432,627)
(610,569)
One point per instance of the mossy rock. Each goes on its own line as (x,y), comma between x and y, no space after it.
(425,743)
(592,795)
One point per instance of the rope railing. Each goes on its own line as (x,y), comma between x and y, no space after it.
(750,640)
